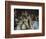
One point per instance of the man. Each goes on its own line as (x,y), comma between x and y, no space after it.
(25,22)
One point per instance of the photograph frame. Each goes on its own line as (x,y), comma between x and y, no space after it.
(8,20)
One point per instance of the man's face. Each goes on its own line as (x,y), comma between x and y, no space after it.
(24,15)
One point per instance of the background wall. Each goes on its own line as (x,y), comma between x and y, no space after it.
(2,19)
